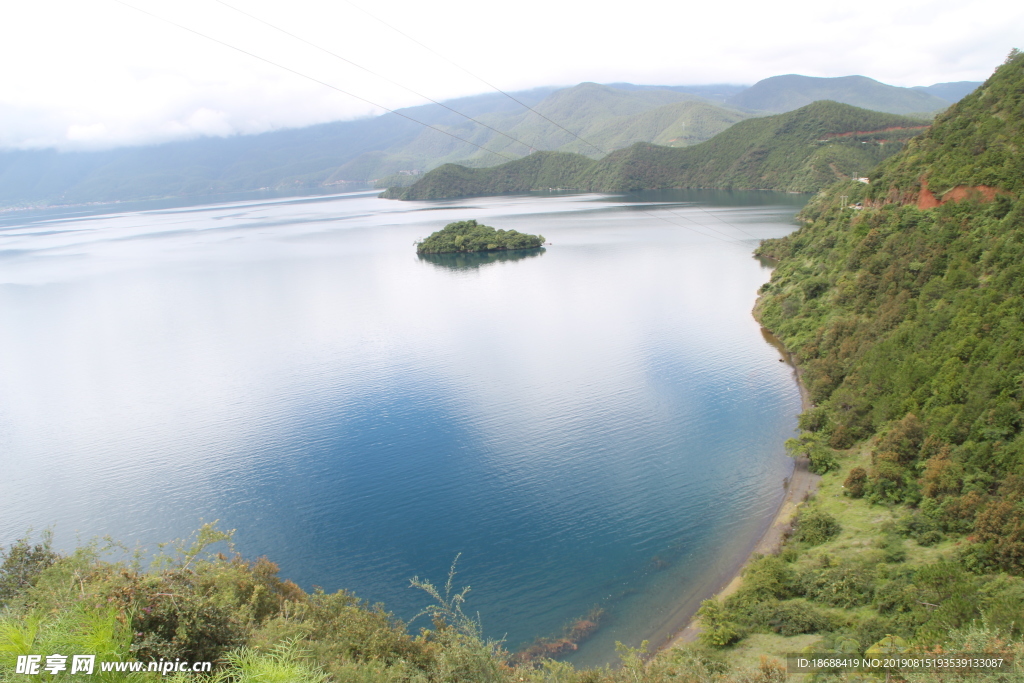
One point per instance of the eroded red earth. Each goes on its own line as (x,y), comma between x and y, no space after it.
(926,199)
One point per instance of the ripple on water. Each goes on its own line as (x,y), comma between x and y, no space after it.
(601,423)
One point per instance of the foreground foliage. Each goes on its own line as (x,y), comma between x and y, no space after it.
(196,604)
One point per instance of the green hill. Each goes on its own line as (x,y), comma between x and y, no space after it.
(602,118)
(539,171)
(801,151)
(792,91)
(902,302)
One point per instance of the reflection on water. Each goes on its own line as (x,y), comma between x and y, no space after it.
(471,260)
(600,426)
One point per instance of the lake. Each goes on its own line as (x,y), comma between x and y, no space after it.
(598,424)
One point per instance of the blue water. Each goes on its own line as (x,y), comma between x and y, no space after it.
(597,424)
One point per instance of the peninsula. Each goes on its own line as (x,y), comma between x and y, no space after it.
(470,236)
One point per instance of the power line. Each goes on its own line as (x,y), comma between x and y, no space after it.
(686,227)
(730,240)
(311,78)
(699,208)
(410,118)
(370,71)
(467,71)
(720,220)
(701,224)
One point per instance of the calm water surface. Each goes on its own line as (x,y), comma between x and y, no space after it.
(597,424)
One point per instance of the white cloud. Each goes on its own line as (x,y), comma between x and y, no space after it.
(79,133)
(100,74)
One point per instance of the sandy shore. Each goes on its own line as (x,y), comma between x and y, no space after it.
(799,487)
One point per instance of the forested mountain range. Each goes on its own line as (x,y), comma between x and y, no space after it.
(786,93)
(951,92)
(602,119)
(803,151)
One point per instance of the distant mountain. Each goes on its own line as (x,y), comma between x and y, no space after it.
(786,93)
(605,118)
(951,92)
(336,154)
(298,158)
(602,118)
(538,171)
(718,92)
(803,150)
(295,158)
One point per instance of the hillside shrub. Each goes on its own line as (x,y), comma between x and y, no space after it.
(717,630)
(845,584)
(794,617)
(22,563)
(816,526)
(856,482)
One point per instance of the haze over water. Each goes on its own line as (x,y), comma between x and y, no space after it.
(600,423)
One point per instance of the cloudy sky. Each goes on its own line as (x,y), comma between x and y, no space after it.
(92,74)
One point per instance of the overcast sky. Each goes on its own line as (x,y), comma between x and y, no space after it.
(90,74)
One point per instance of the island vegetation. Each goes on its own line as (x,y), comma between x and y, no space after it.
(471,237)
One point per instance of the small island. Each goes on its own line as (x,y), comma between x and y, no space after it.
(470,236)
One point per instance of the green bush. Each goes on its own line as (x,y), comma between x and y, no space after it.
(839,585)
(767,577)
(794,617)
(892,548)
(173,621)
(871,629)
(716,628)
(1002,603)
(816,526)
(856,482)
(822,460)
(22,564)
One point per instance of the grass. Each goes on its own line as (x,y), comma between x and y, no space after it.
(748,652)
(861,519)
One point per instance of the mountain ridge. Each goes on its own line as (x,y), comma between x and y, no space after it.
(350,153)
(780,94)
(789,152)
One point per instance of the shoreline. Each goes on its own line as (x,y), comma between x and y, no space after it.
(799,487)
